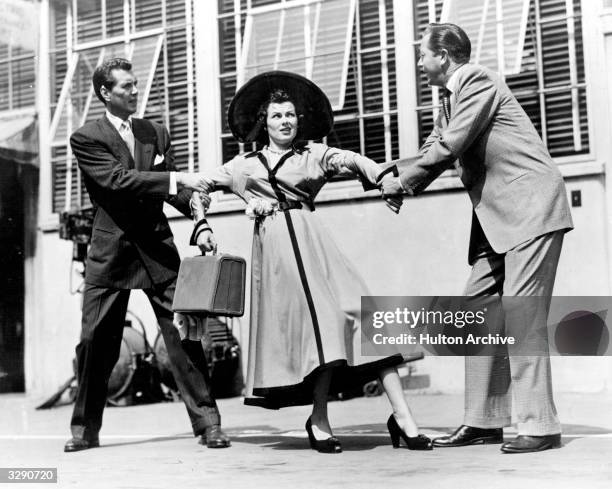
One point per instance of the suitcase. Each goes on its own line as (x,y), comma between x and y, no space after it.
(211,285)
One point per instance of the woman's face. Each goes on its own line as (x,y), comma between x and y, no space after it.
(282,123)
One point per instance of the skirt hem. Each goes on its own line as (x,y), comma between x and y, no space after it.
(344,377)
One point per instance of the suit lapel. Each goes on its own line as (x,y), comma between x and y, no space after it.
(118,146)
(144,143)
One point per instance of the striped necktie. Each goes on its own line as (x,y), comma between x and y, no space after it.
(125,130)
(446,108)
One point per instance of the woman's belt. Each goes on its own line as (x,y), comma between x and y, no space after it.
(295,204)
(257,207)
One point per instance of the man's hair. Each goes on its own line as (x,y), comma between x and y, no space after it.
(452,38)
(103,77)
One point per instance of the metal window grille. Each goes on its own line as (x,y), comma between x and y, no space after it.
(345,46)
(17,77)
(157,36)
(537,46)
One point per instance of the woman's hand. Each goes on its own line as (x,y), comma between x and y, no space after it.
(204,199)
(206,241)
(199,203)
(391,191)
(193,181)
(394,202)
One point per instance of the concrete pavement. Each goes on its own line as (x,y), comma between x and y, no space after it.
(151,447)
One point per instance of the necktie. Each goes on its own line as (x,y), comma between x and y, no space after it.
(125,130)
(446,103)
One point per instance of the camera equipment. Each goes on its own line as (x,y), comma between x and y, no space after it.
(223,355)
(76,226)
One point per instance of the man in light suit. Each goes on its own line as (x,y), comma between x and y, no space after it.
(128,168)
(520,214)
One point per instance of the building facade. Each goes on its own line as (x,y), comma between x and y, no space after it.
(190,56)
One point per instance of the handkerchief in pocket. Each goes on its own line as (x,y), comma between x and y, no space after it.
(159,159)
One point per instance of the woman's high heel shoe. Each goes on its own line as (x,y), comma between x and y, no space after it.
(419,442)
(330,445)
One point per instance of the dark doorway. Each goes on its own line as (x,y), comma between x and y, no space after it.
(12,293)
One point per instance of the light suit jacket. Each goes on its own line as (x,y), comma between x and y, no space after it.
(132,245)
(516,189)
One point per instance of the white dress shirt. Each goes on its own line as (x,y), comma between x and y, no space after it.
(124,127)
(451,86)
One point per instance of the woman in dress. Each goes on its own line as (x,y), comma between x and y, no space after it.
(305,295)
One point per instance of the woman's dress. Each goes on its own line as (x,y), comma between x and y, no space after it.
(285,349)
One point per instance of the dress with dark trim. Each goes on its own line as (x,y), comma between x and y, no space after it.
(305,294)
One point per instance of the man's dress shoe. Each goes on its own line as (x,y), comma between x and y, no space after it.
(78,444)
(469,435)
(526,444)
(214,437)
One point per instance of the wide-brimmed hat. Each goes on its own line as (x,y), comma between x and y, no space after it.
(310,101)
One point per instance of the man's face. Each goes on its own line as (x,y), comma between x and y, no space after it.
(122,99)
(431,63)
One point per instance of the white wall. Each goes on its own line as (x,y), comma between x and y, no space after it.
(53,329)
(422,251)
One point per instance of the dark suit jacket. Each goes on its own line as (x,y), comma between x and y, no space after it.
(516,189)
(132,246)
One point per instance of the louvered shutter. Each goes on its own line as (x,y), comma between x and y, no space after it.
(555,67)
(424,93)
(364,69)
(165,102)
(17,78)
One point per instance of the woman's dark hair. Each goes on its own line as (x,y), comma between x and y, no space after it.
(452,38)
(103,74)
(277,96)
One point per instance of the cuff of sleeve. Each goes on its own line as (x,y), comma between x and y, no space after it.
(173,187)
(200,226)
(411,190)
(366,184)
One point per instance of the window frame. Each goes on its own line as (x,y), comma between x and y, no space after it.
(9,63)
(282,8)
(129,36)
(207,62)
(410,121)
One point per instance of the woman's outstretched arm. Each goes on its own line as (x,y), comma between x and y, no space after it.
(337,161)
(218,178)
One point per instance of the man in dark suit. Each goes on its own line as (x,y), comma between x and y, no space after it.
(128,168)
(520,214)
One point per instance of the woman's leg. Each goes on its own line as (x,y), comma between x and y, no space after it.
(393,387)
(320,422)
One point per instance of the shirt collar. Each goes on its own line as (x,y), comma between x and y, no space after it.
(451,84)
(297,149)
(117,121)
